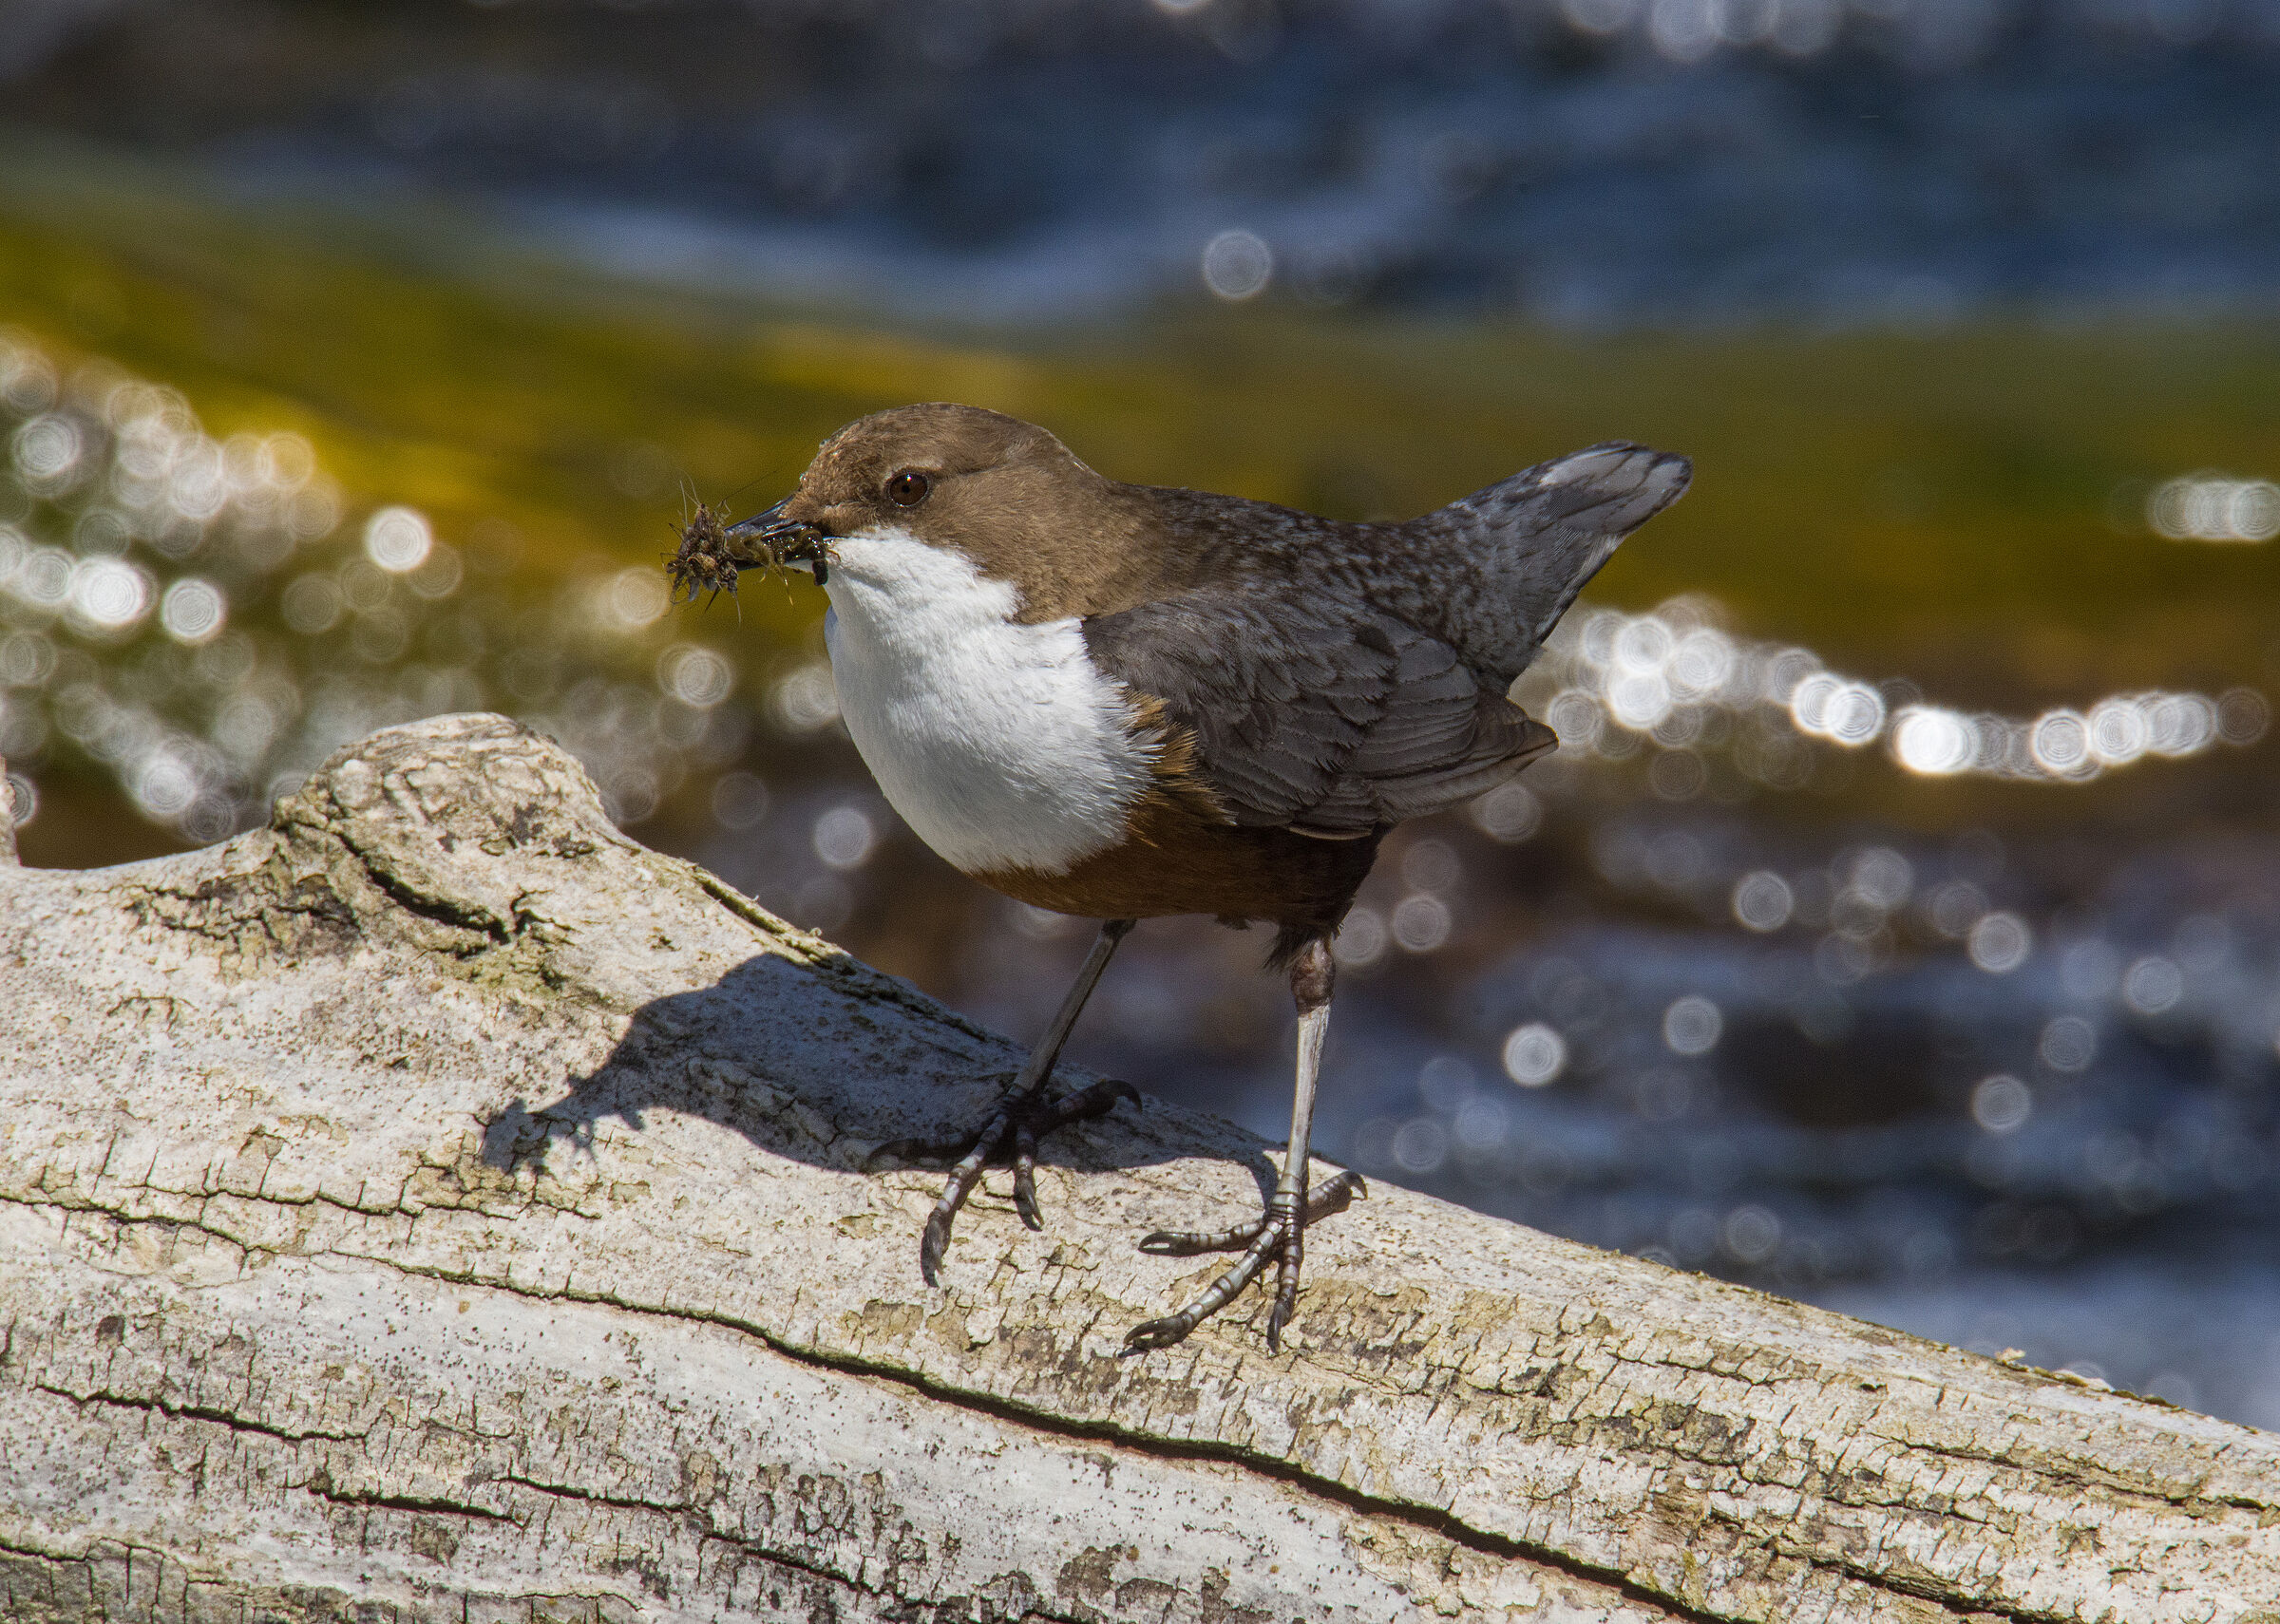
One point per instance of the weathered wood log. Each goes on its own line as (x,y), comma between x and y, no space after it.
(436,1206)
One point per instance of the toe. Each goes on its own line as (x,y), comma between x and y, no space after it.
(932,1244)
(1157,1333)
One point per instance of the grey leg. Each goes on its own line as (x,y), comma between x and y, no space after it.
(1022,1116)
(1310,982)
(1282,1231)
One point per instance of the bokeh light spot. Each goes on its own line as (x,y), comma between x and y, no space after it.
(109,594)
(192,611)
(695,676)
(1535,1055)
(1362,940)
(1763,900)
(1420,924)
(844,836)
(2153,985)
(2000,943)
(1508,813)
(1692,1025)
(2069,1043)
(397,540)
(1238,264)
(2002,1103)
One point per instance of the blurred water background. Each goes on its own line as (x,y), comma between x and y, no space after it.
(1898,926)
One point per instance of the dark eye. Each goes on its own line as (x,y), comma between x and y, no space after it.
(908,488)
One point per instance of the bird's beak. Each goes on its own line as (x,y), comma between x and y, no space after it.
(774,540)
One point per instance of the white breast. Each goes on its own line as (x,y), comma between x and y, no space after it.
(1000,743)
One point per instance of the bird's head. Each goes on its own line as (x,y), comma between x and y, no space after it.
(1006,495)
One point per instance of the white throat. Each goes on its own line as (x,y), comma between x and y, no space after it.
(1001,745)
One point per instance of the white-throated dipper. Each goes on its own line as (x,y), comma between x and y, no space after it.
(1126,701)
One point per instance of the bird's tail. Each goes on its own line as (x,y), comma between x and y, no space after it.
(1531,541)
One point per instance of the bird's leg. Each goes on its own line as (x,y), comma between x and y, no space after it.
(1280,1232)
(1023,1116)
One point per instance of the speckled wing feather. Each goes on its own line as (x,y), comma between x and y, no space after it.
(1308,718)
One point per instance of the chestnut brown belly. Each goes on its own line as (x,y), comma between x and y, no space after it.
(1173,862)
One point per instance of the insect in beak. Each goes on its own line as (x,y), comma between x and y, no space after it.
(712,554)
(783,543)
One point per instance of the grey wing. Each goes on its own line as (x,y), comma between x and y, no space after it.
(1332,725)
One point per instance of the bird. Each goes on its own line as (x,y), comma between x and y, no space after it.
(1123,702)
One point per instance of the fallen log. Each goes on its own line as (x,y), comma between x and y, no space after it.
(436,1206)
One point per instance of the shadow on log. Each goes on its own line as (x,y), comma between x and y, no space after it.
(437,1206)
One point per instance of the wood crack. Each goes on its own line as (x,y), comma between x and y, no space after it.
(1422,1517)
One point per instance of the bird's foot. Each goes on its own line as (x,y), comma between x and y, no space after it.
(1278,1233)
(1010,1135)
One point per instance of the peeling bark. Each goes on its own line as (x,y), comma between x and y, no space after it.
(436,1206)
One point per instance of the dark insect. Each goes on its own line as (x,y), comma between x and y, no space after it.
(703,561)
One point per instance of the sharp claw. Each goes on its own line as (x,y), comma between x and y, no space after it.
(1155,1334)
(1187,1243)
(931,1245)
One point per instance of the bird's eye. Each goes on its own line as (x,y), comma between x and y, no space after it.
(908,488)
